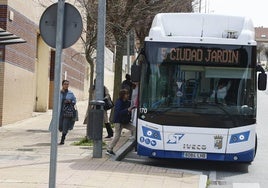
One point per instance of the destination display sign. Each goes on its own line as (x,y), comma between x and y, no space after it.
(204,55)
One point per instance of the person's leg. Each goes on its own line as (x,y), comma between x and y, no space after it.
(62,138)
(61,124)
(65,129)
(117,134)
(71,124)
(131,128)
(109,130)
(108,125)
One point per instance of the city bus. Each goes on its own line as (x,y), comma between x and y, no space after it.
(198,84)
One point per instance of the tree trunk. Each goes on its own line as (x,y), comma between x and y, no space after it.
(90,94)
(118,69)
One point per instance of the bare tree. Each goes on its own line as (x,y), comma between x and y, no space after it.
(124,15)
(142,26)
(89,13)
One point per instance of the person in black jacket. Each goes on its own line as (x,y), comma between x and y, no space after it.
(121,119)
(128,85)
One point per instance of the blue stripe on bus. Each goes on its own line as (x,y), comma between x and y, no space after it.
(246,156)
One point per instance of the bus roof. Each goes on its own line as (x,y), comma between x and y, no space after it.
(202,28)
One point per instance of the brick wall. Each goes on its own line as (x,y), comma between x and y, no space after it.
(74,68)
(19,84)
(2,65)
(18,72)
(3,2)
(74,64)
(3,16)
(22,55)
(18,94)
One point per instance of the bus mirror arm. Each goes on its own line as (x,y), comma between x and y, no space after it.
(262,78)
(136,68)
(135,73)
(259,68)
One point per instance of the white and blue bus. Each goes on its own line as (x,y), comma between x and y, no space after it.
(197,91)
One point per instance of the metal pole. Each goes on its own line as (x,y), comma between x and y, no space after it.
(200,2)
(97,144)
(128,53)
(57,102)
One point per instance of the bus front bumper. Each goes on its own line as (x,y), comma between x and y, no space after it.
(246,156)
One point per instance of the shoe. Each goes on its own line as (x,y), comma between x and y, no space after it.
(110,152)
(62,139)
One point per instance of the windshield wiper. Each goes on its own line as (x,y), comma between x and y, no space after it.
(161,112)
(234,120)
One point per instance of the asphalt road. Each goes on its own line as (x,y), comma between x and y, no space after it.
(226,175)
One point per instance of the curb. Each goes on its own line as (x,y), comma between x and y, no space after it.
(203,181)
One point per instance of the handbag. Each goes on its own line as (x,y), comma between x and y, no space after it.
(68,110)
(108,103)
(75,118)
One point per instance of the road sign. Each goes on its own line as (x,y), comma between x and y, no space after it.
(72,27)
(60,27)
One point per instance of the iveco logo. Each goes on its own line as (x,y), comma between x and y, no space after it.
(194,147)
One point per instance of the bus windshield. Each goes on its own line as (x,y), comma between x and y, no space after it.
(180,88)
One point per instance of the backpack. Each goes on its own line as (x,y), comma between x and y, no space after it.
(108,103)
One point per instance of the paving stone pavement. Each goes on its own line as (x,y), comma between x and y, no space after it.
(25,160)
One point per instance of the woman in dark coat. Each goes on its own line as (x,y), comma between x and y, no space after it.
(66,122)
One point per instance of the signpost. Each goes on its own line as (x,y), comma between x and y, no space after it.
(72,25)
(97,148)
(60,27)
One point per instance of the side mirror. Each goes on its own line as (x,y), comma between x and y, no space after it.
(135,73)
(262,81)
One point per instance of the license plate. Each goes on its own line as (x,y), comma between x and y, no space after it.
(191,155)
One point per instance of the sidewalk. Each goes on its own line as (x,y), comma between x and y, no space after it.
(25,160)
